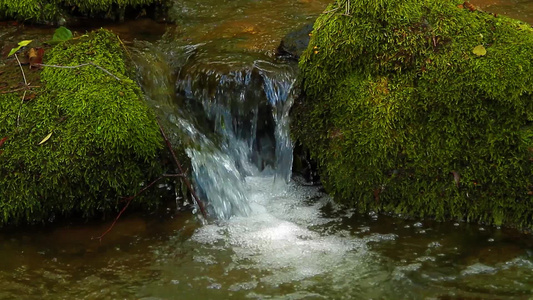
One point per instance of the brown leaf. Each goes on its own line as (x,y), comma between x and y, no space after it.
(470,6)
(36,57)
(2,141)
(29,96)
(32,54)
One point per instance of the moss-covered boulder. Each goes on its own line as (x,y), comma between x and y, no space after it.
(53,10)
(82,142)
(421,107)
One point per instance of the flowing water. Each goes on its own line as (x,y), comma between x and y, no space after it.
(222,95)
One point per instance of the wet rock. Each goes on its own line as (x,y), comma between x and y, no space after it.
(294,43)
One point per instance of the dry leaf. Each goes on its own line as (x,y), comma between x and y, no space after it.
(29,96)
(46,138)
(36,57)
(32,54)
(470,6)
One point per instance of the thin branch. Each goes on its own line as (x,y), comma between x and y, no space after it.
(21,70)
(79,66)
(129,199)
(331,10)
(20,107)
(25,90)
(125,48)
(29,87)
(185,180)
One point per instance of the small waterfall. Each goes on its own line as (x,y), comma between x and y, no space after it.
(278,87)
(230,116)
(248,109)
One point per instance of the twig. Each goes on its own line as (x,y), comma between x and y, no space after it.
(125,48)
(185,180)
(131,199)
(79,66)
(25,90)
(331,10)
(347,11)
(21,70)
(29,87)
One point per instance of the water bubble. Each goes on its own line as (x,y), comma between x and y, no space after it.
(215,286)
(434,245)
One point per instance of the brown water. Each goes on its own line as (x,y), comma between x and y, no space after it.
(295,245)
(518,9)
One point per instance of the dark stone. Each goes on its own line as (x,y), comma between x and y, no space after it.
(294,43)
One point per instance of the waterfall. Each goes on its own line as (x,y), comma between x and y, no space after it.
(248,110)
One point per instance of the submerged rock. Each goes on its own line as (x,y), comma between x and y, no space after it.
(82,141)
(423,108)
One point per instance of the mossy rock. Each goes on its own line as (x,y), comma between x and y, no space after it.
(103,141)
(53,10)
(404,114)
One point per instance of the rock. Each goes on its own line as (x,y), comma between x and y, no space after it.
(294,43)
(403,116)
(85,141)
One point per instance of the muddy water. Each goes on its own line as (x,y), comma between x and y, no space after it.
(293,244)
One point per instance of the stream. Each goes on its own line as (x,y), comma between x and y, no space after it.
(215,82)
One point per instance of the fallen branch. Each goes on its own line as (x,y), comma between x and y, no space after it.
(129,199)
(184,179)
(29,87)
(79,66)
(25,90)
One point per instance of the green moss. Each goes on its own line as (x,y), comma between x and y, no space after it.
(51,10)
(104,143)
(403,117)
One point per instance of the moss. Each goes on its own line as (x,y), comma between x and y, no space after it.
(52,10)
(105,141)
(403,117)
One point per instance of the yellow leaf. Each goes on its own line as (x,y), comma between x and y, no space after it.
(46,138)
(479,50)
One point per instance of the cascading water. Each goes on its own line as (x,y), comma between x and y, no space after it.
(248,109)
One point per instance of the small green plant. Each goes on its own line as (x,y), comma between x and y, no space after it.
(20,45)
(61,34)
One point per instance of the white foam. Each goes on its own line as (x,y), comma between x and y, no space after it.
(276,239)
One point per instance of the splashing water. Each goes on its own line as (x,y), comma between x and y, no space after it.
(248,109)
